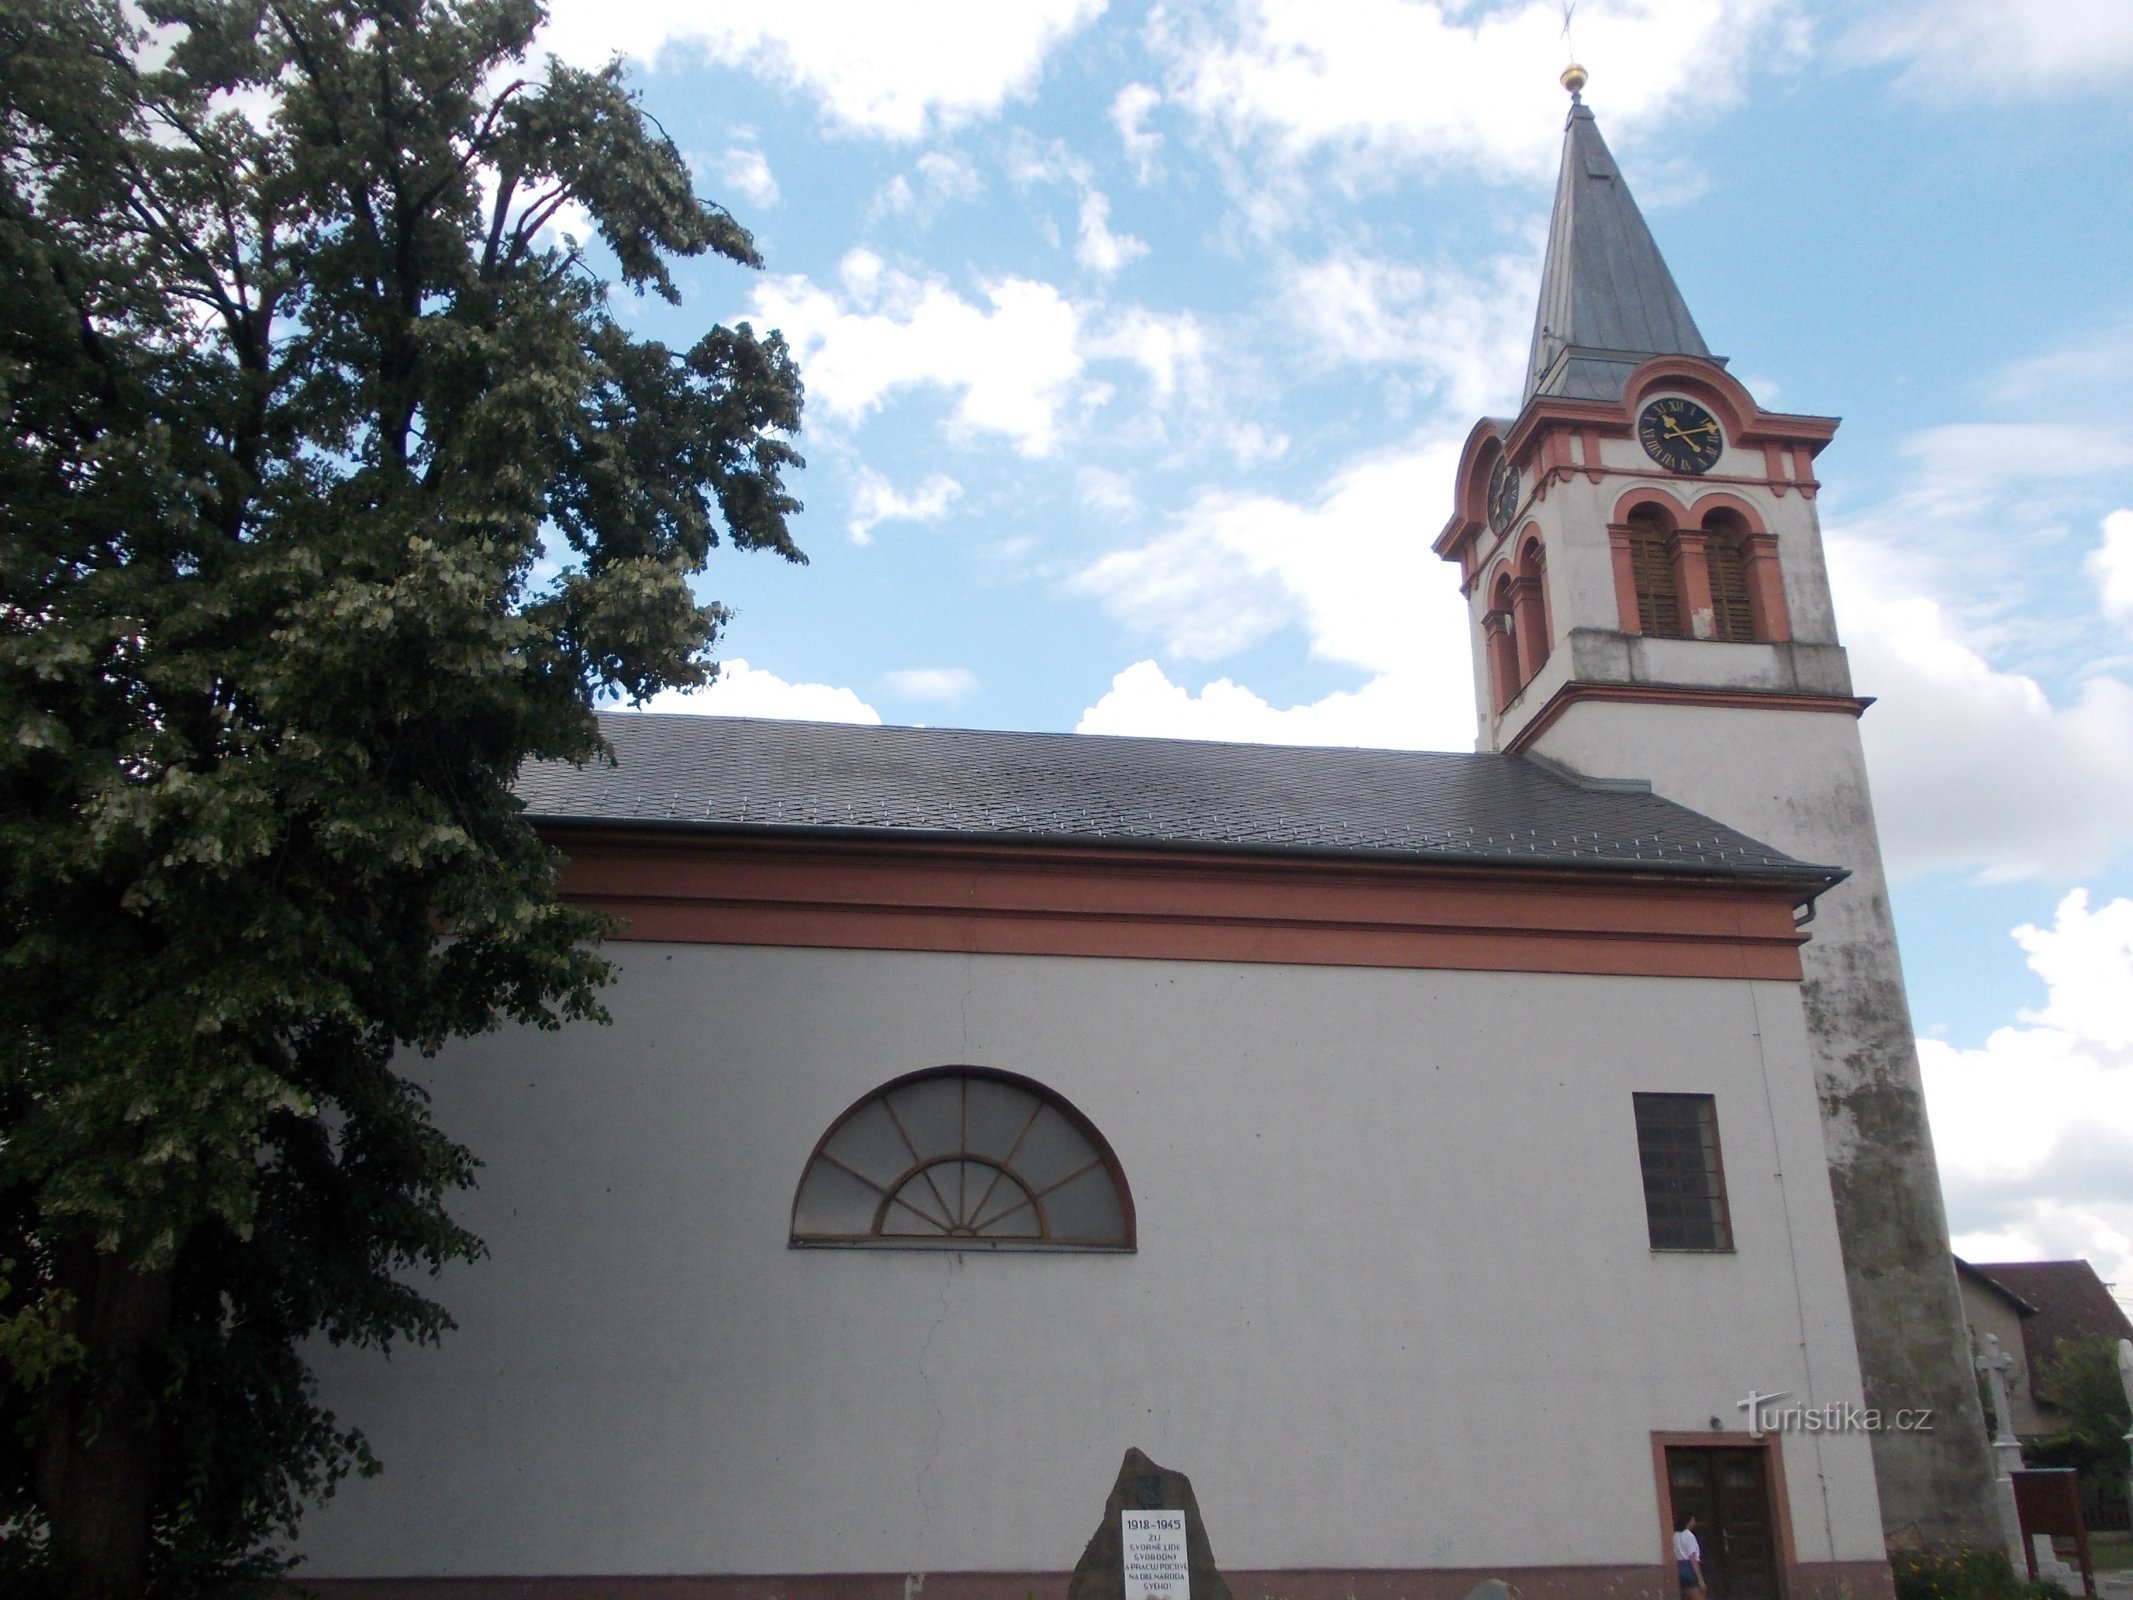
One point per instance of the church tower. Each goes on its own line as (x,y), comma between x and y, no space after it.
(1648,600)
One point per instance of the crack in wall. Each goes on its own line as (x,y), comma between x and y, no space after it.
(950,1265)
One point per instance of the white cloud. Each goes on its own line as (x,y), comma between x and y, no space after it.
(1029,161)
(933,683)
(1096,246)
(895,71)
(1193,392)
(1466,330)
(1172,349)
(1991,516)
(944,177)
(1099,249)
(1249,443)
(1348,567)
(2086,962)
(1016,359)
(877,501)
(1206,588)
(744,169)
(951,176)
(745,691)
(1129,115)
(1961,48)
(1998,504)
(1446,86)
(1013,361)
(2004,743)
(2111,565)
(1959,462)
(2078,376)
(1102,489)
(1388,712)
(2034,1131)
(1974,767)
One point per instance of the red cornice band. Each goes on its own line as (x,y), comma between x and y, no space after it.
(1656,694)
(1180,905)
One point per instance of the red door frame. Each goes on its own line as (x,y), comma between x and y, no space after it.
(1773,1477)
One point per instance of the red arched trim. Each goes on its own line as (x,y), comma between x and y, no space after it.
(1720,500)
(1649,544)
(1717,388)
(1669,509)
(1770,618)
(1470,492)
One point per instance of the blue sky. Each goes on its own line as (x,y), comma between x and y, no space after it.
(1140,340)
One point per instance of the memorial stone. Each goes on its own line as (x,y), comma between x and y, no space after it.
(1144,1487)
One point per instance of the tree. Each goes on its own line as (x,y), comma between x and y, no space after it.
(2082,1386)
(332,490)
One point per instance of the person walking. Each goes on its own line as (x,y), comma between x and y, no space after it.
(1688,1558)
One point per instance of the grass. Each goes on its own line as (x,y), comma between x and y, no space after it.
(2111,1552)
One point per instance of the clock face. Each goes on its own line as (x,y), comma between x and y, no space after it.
(1503,495)
(1680,435)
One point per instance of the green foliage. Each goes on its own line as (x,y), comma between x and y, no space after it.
(2082,1385)
(1965,1575)
(37,1342)
(332,489)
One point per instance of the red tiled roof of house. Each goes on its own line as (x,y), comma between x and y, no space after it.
(2071,1303)
(2020,1307)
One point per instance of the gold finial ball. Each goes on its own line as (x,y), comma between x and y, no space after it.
(1573,77)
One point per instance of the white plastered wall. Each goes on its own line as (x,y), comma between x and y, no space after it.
(1572,521)
(1393,1305)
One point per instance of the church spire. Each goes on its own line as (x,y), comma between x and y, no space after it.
(1607,301)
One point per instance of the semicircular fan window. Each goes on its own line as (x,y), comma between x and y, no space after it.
(963,1158)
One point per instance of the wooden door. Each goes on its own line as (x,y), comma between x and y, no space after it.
(1729,1493)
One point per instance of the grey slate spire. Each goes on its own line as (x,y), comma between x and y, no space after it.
(1607,301)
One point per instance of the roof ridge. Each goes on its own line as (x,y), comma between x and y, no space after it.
(1065,734)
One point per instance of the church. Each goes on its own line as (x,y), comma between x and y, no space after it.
(1461,1166)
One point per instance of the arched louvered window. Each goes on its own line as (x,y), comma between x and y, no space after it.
(1499,636)
(1529,610)
(1732,614)
(963,1158)
(1652,568)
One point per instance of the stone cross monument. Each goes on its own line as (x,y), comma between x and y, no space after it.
(1995,1364)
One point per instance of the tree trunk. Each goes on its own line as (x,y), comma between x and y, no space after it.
(96,1456)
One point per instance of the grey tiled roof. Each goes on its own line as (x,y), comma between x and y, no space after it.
(1607,301)
(729,773)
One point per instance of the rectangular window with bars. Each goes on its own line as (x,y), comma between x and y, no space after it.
(1684,1182)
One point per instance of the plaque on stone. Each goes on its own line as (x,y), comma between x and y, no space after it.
(1150,1544)
(1153,1548)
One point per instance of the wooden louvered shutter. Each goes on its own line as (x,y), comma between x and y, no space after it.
(1731,615)
(1658,601)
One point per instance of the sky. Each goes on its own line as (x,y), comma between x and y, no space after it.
(1140,340)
